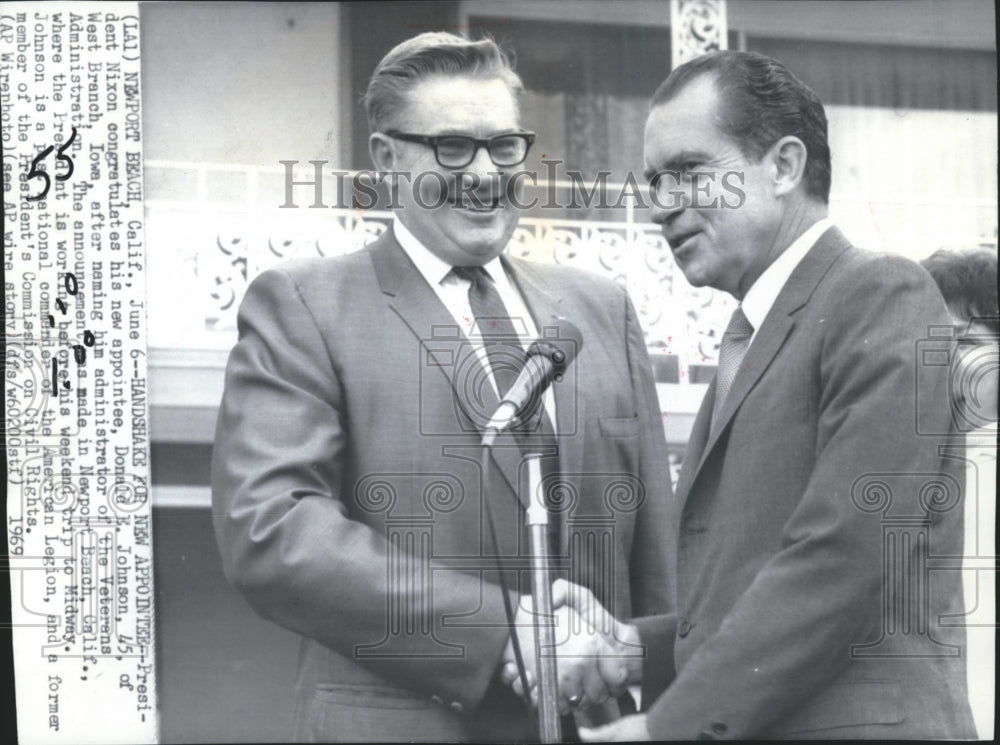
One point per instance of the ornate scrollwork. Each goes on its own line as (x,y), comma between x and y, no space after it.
(871,494)
(624,494)
(940,494)
(375,494)
(636,255)
(699,26)
(559,494)
(444,494)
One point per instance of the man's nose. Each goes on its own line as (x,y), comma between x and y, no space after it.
(481,176)
(481,164)
(668,206)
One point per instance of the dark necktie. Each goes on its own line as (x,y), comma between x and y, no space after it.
(735,342)
(503,346)
(506,358)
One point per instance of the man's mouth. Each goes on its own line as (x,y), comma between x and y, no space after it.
(478,204)
(678,241)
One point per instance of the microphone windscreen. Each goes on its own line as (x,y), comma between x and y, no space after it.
(560,341)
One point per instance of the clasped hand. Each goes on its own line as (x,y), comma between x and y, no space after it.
(597,655)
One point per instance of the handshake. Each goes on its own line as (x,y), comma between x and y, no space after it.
(598,656)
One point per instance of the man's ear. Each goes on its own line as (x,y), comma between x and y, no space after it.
(382,151)
(789,157)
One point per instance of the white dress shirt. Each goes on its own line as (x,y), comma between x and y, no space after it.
(453,292)
(758,301)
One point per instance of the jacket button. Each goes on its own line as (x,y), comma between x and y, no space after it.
(437,699)
(456,706)
(684,628)
(719,728)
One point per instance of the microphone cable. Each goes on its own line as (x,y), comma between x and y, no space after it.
(508,610)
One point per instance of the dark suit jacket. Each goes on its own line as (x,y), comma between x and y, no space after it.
(804,526)
(348,497)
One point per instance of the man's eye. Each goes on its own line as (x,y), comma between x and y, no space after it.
(453,145)
(506,145)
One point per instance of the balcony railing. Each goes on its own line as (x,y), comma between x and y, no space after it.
(211,228)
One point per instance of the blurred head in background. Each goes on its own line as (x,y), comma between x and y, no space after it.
(968,282)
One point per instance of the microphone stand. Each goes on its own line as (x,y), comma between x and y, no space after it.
(547,359)
(549,726)
(542,620)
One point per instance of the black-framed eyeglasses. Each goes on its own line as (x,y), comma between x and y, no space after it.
(457,151)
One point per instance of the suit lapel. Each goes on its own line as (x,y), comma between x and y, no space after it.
(696,445)
(769,340)
(415,302)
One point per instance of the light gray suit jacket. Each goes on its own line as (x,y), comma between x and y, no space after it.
(348,491)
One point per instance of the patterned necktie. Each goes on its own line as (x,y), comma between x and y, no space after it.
(503,346)
(506,357)
(735,342)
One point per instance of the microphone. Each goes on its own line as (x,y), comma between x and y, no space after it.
(547,358)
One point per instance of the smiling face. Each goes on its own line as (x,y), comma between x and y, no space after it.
(464,226)
(718,237)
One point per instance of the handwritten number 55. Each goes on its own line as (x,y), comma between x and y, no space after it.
(36,173)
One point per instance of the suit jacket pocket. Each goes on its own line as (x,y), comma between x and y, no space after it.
(370,697)
(851,704)
(626,426)
(359,713)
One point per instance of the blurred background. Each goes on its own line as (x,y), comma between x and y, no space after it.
(230,90)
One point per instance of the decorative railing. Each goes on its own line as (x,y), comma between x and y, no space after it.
(203,253)
(211,228)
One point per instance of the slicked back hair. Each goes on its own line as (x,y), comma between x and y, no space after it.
(761,101)
(426,55)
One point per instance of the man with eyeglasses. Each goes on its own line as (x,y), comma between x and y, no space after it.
(350,502)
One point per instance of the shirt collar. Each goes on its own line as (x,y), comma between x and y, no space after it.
(761,296)
(431,266)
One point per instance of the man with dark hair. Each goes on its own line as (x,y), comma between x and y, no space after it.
(968,282)
(760,102)
(349,502)
(808,503)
